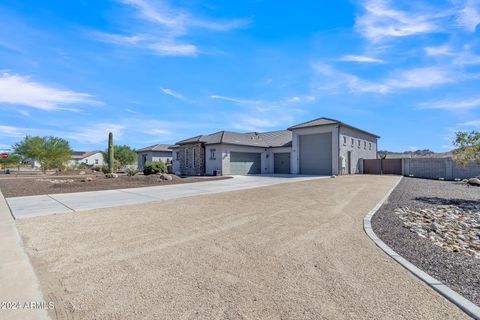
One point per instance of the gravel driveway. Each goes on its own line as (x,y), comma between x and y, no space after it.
(460,272)
(289,251)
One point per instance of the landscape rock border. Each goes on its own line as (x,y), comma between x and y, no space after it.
(471,309)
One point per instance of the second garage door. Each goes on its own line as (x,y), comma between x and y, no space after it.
(316,154)
(245,163)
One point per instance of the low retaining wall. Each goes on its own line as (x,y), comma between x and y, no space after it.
(435,168)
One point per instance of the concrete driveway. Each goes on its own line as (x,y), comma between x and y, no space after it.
(286,251)
(33,206)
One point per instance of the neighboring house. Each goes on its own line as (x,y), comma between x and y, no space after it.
(319,147)
(157,152)
(94,158)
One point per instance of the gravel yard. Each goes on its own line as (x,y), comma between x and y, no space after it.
(30,186)
(287,251)
(415,199)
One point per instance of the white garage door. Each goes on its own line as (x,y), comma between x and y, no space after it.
(243,163)
(316,154)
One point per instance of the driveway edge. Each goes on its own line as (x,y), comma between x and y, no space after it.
(20,287)
(471,309)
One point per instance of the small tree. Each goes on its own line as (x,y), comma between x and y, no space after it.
(468,147)
(123,154)
(51,152)
(12,160)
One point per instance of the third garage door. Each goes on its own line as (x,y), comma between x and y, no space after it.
(316,154)
(281,162)
(245,163)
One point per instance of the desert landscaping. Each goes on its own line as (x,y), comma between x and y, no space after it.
(257,253)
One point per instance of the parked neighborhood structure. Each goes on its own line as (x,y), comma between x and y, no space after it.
(157,152)
(322,146)
(88,157)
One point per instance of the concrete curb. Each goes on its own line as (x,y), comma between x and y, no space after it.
(471,309)
(20,287)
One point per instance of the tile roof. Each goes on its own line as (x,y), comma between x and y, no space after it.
(327,121)
(258,139)
(281,138)
(156,147)
(77,155)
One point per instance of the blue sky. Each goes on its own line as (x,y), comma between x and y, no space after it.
(155,71)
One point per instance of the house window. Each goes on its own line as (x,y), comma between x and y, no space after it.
(96,161)
(86,160)
(352,142)
(194,158)
(365,145)
(359,143)
(369,146)
(344,140)
(212,154)
(186,158)
(177,155)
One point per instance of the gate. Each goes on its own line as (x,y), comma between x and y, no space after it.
(382,166)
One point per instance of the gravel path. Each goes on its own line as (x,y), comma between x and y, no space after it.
(288,251)
(458,271)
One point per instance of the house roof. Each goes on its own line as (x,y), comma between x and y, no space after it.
(282,138)
(327,121)
(156,147)
(78,155)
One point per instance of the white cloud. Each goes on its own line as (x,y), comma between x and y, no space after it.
(439,51)
(422,78)
(336,81)
(163,26)
(174,94)
(158,132)
(381,21)
(471,123)
(96,133)
(9,131)
(461,104)
(21,90)
(249,123)
(362,59)
(173,49)
(469,16)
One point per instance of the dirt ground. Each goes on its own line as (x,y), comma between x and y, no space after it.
(289,251)
(30,186)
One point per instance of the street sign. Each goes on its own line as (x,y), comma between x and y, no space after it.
(4,155)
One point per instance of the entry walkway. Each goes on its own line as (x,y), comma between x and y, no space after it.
(32,206)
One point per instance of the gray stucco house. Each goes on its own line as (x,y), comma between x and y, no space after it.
(318,147)
(157,152)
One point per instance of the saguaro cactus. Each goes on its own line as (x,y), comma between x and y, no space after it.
(110,152)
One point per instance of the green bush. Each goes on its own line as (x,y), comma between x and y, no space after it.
(131,172)
(116,166)
(154,167)
(84,165)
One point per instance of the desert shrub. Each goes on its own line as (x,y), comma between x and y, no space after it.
(116,166)
(154,167)
(131,172)
(84,166)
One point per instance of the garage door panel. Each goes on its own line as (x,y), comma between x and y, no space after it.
(242,163)
(281,162)
(316,154)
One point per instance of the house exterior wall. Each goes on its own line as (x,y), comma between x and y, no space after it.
(213,163)
(143,157)
(94,159)
(367,149)
(176,160)
(234,148)
(295,155)
(270,159)
(191,159)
